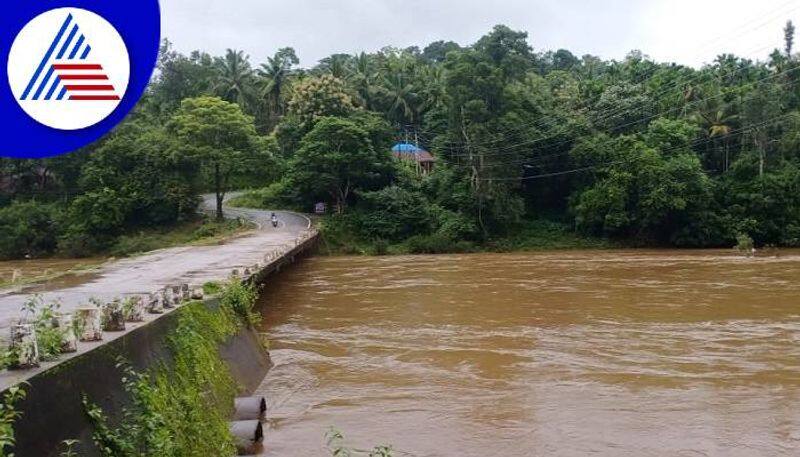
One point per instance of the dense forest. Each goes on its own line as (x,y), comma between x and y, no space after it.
(630,152)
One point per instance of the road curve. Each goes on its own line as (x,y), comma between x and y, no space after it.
(154,270)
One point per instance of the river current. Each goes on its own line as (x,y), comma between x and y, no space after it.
(604,353)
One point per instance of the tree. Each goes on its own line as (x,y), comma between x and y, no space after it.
(314,98)
(219,137)
(235,80)
(275,74)
(181,77)
(437,51)
(336,159)
(788,33)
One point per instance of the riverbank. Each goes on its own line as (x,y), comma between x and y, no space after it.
(339,237)
(198,232)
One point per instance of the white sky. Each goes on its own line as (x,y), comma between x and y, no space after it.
(685,31)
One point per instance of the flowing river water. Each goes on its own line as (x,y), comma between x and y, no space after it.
(630,353)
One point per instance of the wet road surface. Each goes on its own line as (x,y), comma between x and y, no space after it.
(146,273)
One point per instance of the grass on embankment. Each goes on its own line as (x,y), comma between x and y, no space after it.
(197,232)
(341,235)
(338,238)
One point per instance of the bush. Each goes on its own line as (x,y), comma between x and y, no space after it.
(437,244)
(28,229)
(278,195)
(241,299)
(394,213)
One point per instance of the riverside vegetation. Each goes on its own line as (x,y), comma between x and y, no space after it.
(534,149)
(176,410)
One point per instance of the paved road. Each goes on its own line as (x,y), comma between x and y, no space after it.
(154,270)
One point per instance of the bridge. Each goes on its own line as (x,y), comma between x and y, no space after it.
(149,272)
(53,403)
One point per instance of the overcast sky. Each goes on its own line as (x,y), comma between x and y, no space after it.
(684,31)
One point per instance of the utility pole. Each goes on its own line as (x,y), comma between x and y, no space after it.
(475,179)
(416,143)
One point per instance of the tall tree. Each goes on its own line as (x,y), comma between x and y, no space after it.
(219,137)
(275,74)
(235,80)
(337,159)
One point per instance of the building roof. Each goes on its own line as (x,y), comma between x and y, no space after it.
(413,152)
(407,148)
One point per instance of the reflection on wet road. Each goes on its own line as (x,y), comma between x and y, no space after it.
(642,353)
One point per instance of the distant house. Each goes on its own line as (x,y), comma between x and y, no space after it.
(423,159)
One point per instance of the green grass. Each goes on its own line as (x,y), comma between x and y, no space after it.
(539,235)
(339,237)
(188,233)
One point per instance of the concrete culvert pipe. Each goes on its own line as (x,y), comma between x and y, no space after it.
(249,408)
(248,436)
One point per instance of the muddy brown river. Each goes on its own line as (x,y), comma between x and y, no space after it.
(640,353)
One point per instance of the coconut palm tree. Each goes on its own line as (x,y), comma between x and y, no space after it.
(363,77)
(717,119)
(275,76)
(235,78)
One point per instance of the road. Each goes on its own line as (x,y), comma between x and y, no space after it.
(146,273)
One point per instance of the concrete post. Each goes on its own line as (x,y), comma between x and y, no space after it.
(134,309)
(69,341)
(166,298)
(154,304)
(89,323)
(197,293)
(113,317)
(24,349)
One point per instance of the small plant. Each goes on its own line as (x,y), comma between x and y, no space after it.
(211,288)
(745,244)
(69,446)
(44,318)
(9,415)
(133,309)
(241,299)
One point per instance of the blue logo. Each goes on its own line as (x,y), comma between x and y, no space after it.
(74,71)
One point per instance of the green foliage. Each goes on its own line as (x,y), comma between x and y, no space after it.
(49,336)
(180,410)
(636,151)
(744,243)
(9,415)
(241,298)
(335,160)
(219,137)
(318,97)
(212,288)
(28,229)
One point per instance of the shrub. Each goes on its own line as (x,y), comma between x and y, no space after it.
(28,229)
(240,299)
(437,244)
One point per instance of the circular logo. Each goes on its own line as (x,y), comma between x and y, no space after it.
(75,69)
(68,68)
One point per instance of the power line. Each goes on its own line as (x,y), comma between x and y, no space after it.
(696,143)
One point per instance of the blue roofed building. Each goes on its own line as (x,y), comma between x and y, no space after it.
(423,160)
